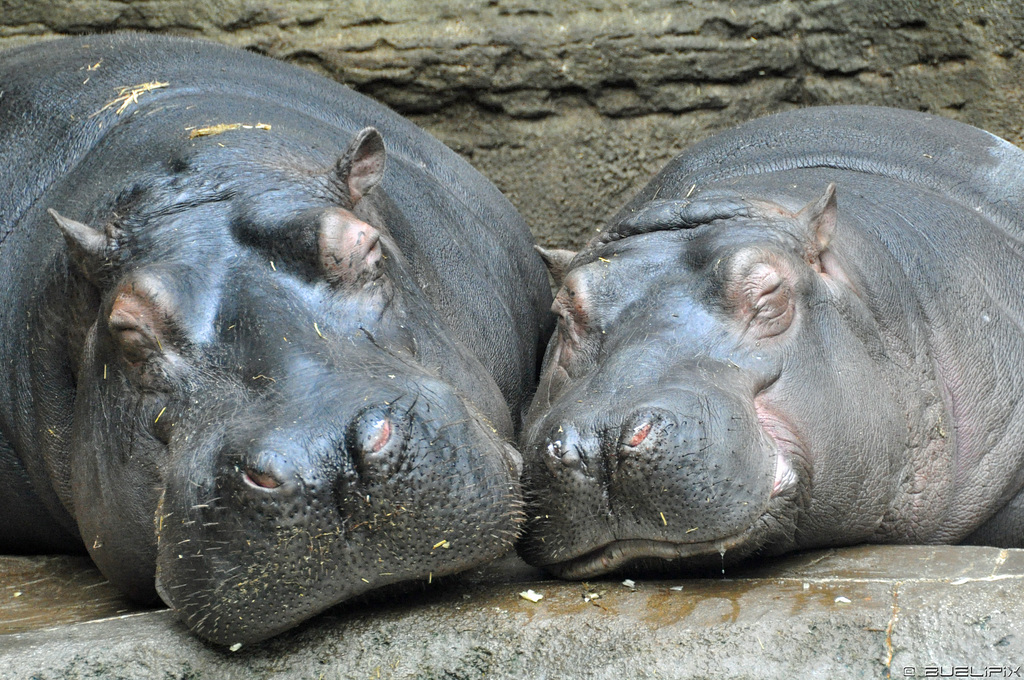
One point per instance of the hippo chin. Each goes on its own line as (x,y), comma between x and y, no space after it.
(254,362)
(804,332)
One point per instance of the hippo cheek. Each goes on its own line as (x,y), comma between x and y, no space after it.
(287,525)
(683,475)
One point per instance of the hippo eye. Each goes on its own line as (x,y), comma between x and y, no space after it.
(163,421)
(762,295)
(349,250)
(570,326)
(136,345)
(568,305)
(143,328)
(135,334)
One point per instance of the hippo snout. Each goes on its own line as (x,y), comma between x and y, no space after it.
(590,486)
(569,451)
(616,447)
(307,506)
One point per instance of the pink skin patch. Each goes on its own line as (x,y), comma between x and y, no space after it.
(260,480)
(349,247)
(785,477)
(786,446)
(381,436)
(639,435)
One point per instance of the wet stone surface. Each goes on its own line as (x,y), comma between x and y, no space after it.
(862,612)
(41,592)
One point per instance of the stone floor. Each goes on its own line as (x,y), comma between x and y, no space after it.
(862,612)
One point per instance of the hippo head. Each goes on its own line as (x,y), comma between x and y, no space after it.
(702,365)
(269,417)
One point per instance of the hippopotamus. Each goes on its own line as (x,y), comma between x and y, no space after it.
(806,331)
(265,342)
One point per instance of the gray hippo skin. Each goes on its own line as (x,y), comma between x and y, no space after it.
(806,331)
(257,368)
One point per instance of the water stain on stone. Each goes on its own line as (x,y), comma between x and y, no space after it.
(40,592)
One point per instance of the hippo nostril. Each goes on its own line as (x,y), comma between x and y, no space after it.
(380,435)
(645,429)
(374,434)
(260,480)
(639,434)
(566,452)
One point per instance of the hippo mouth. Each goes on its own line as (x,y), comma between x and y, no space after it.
(661,555)
(618,554)
(667,510)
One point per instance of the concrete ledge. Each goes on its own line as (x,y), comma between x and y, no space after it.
(862,612)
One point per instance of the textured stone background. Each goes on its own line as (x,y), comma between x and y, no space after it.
(569,107)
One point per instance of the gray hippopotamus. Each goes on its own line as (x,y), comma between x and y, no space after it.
(806,331)
(252,361)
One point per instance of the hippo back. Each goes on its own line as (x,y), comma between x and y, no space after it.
(970,166)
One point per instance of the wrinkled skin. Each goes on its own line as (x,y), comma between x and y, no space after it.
(804,332)
(261,371)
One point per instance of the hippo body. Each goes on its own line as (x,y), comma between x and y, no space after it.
(806,331)
(252,361)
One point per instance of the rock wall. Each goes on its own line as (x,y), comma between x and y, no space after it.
(570,106)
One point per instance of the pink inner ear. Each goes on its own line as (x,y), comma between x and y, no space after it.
(349,248)
(571,305)
(366,173)
(367,165)
(767,299)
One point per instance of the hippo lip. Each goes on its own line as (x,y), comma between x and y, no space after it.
(616,554)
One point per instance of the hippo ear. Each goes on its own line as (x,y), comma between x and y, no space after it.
(90,248)
(361,167)
(557,261)
(349,249)
(819,221)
